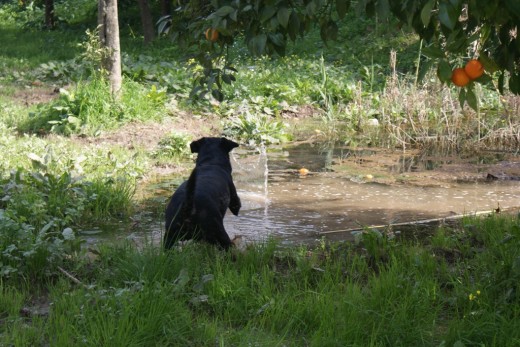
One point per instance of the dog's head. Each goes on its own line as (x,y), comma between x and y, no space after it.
(213,150)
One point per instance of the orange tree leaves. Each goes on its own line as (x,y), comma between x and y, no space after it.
(452,30)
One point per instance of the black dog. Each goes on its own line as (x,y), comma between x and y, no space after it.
(197,208)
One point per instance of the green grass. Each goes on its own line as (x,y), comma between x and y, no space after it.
(26,49)
(413,293)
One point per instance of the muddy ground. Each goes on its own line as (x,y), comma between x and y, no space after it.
(383,165)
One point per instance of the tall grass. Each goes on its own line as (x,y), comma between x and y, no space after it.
(428,114)
(454,287)
(89,108)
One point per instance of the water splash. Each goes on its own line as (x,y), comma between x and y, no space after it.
(263,156)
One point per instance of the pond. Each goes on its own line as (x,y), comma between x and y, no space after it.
(346,189)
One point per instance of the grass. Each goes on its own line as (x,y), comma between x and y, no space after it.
(24,50)
(455,287)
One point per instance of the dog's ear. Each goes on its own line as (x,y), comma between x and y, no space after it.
(195,145)
(228,145)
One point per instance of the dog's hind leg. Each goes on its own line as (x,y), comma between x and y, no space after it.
(215,233)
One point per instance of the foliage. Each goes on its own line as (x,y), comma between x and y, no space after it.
(157,96)
(40,207)
(162,74)
(359,85)
(26,49)
(450,29)
(174,146)
(256,129)
(27,17)
(62,71)
(75,12)
(50,188)
(30,14)
(32,244)
(458,286)
(455,31)
(93,52)
(290,80)
(62,155)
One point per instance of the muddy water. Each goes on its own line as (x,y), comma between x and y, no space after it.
(298,208)
(343,190)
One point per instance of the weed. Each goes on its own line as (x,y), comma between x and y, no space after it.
(45,199)
(38,210)
(170,76)
(174,147)
(255,130)
(157,96)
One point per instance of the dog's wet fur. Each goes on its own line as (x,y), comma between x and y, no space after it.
(197,208)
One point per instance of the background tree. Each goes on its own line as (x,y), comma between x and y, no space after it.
(146,21)
(49,15)
(109,38)
(166,7)
(50,19)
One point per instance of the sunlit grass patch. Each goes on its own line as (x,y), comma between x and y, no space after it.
(90,108)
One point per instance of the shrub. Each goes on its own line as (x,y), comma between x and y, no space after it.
(38,211)
(260,129)
(173,146)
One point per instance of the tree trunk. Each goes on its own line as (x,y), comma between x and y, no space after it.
(50,21)
(166,7)
(109,37)
(146,21)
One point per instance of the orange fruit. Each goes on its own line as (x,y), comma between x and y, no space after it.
(459,77)
(303,171)
(474,69)
(212,35)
